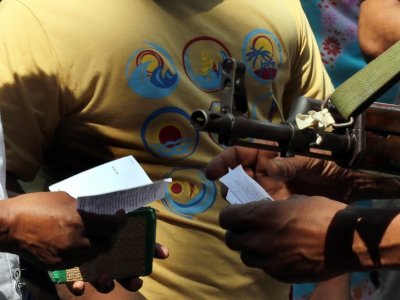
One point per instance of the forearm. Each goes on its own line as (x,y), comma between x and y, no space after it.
(379,26)
(367,186)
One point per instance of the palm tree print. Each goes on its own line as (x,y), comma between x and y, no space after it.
(262,55)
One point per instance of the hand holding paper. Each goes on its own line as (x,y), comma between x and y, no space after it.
(106,189)
(243,188)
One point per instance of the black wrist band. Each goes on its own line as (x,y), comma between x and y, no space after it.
(339,253)
(369,223)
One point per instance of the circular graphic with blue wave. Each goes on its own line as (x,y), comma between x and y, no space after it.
(151,72)
(190,193)
(167,134)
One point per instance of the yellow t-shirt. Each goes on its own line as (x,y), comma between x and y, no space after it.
(84,82)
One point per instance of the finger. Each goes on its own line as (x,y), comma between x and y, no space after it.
(242,216)
(131,284)
(244,240)
(230,158)
(76,288)
(254,260)
(219,165)
(104,284)
(233,240)
(245,156)
(262,159)
(161,251)
(103,225)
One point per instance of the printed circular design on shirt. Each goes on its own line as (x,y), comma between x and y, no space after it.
(262,53)
(190,193)
(167,133)
(151,72)
(202,58)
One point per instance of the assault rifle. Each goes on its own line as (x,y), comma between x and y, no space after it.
(370,142)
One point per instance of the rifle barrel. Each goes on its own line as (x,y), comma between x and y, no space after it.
(238,127)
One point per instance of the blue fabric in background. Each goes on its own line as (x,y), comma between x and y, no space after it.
(337,24)
(334,23)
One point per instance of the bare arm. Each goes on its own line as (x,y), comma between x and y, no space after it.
(379,26)
(334,239)
(47,229)
(267,233)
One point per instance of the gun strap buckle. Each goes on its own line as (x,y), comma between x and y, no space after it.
(327,103)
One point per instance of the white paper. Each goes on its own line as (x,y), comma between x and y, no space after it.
(119,184)
(129,200)
(243,188)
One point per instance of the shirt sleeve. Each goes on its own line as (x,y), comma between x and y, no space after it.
(29,89)
(309,77)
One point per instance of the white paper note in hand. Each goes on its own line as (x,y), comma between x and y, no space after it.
(243,188)
(119,184)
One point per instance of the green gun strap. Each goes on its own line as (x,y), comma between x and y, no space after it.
(360,90)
